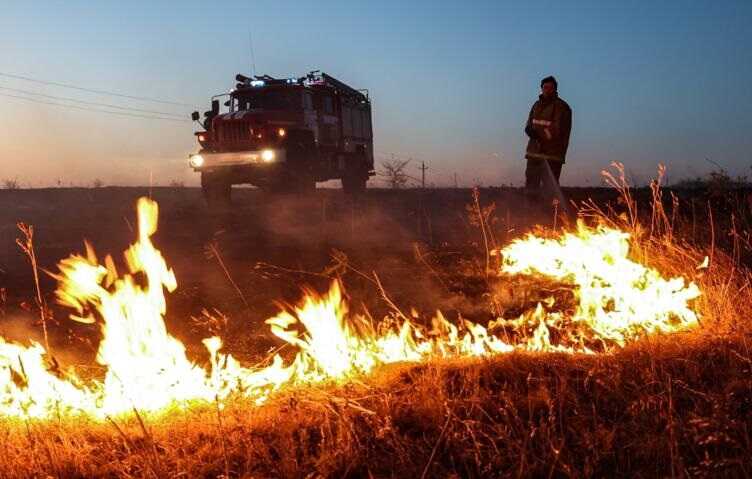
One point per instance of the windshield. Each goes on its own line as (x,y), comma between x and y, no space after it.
(287,100)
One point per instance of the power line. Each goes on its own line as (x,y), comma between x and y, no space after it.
(91,109)
(75,100)
(92,90)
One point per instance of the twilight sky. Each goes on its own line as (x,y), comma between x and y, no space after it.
(451,82)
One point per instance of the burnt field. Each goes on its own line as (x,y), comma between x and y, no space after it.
(666,404)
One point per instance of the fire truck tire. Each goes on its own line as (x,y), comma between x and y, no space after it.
(217,191)
(354,183)
(355,177)
(301,151)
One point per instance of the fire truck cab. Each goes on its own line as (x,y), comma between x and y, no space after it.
(285,135)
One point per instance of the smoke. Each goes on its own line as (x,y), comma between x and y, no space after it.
(386,235)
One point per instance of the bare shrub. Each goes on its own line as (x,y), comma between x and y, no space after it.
(393,172)
(11,184)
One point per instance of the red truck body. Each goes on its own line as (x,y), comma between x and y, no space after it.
(285,134)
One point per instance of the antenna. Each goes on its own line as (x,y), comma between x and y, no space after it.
(253,55)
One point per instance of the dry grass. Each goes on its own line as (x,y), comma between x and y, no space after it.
(666,407)
(678,405)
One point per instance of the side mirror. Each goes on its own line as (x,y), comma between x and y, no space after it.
(215,107)
(195,116)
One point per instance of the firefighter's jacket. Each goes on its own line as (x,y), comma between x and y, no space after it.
(548,126)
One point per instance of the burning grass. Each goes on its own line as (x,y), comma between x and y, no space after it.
(658,409)
(349,403)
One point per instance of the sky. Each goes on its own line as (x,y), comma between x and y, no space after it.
(451,82)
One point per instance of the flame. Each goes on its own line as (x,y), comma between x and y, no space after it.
(147,369)
(618,299)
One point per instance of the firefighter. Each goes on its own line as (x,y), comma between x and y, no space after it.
(548,126)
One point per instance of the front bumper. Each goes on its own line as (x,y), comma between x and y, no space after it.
(210,161)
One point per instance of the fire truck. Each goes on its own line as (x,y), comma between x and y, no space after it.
(284,135)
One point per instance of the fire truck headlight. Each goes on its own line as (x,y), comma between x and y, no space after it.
(196,161)
(268,156)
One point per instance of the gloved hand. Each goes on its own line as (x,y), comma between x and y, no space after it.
(530,131)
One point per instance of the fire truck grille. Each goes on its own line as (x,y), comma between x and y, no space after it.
(234,132)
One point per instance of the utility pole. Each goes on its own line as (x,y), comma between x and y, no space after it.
(423,169)
(456,184)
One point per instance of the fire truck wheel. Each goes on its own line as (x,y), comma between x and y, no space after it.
(217,191)
(301,149)
(354,182)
